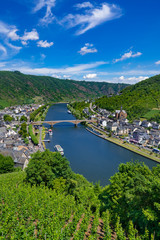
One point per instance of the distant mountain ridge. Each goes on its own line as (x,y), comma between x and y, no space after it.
(137,100)
(18,88)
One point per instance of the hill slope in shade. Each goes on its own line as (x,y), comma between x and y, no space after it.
(18,88)
(137,99)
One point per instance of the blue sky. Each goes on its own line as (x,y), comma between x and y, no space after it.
(113,41)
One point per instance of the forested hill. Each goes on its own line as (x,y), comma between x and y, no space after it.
(18,88)
(139,100)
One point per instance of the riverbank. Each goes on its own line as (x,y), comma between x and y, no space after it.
(127,146)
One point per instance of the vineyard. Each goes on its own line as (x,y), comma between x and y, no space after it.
(62,205)
(40,213)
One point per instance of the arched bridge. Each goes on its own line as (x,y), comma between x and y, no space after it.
(76,122)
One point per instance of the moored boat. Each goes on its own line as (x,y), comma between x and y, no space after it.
(59,149)
(50,132)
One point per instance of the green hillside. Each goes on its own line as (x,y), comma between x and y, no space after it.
(49,201)
(137,100)
(18,88)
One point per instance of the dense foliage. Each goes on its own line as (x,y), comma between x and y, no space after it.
(155,118)
(46,167)
(23,119)
(6,164)
(31,134)
(77,109)
(137,100)
(49,201)
(38,112)
(23,130)
(79,105)
(133,195)
(7,118)
(17,88)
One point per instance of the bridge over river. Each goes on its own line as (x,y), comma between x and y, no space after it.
(52,123)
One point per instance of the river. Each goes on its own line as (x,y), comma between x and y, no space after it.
(95,158)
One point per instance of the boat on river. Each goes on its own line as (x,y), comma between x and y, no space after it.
(59,149)
(50,132)
(69,111)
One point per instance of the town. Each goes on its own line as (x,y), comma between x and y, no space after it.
(143,133)
(13,141)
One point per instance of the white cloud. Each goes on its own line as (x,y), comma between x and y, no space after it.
(16,48)
(2,64)
(157,63)
(49,4)
(84,5)
(128,55)
(5,29)
(24,43)
(48,18)
(43,56)
(7,33)
(66,76)
(122,78)
(13,35)
(131,80)
(56,76)
(90,76)
(88,48)
(92,17)
(3,51)
(29,36)
(10,32)
(33,35)
(44,44)
(80,69)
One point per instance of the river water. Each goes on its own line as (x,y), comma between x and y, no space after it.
(95,158)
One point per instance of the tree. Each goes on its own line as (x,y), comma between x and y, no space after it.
(7,118)
(23,130)
(6,164)
(23,119)
(134,195)
(45,167)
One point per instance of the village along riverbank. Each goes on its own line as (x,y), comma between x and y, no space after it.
(89,155)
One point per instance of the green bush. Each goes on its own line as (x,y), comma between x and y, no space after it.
(23,119)
(40,111)
(23,130)
(7,118)
(33,137)
(6,164)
